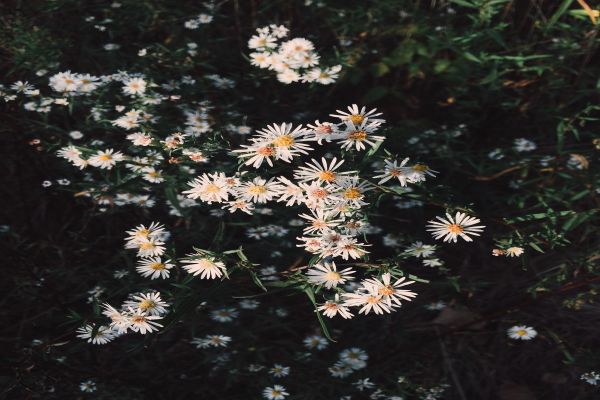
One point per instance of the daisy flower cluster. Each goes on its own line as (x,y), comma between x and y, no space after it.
(137,314)
(294,60)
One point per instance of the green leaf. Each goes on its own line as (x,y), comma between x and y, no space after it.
(559,13)
(311,295)
(536,247)
(257,281)
(463,3)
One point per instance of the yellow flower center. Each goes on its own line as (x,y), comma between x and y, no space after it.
(395,172)
(257,189)
(147,245)
(283,141)
(386,290)
(138,319)
(333,276)
(212,188)
(521,332)
(357,119)
(372,300)
(320,193)
(327,176)
(265,151)
(420,167)
(147,304)
(455,228)
(358,135)
(105,157)
(352,193)
(157,266)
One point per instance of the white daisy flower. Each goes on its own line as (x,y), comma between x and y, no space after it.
(450,229)
(105,159)
(514,251)
(392,170)
(224,314)
(331,308)
(315,342)
(149,303)
(521,332)
(154,268)
(206,267)
(357,116)
(357,135)
(321,172)
(103,334)
(391,292)
(134,86)
(369,300)
(327,274)
(259,190)
(276,392)
(279,371)
(209,188)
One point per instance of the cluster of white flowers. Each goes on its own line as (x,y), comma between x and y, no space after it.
(138,314)
(293,60)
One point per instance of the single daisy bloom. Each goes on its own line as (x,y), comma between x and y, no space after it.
(369,300)
(259,190)
(355,357)
(105,159)
(450,229)
(224,314)
(514,251)
(262,42)
(211,341)
(351,191)
(140,139)
(156,230)
(521,332)
(321,172)
(331,308)
(418,249)
(286,142)
(297,46)
(103,334)
(315,342)
(141,322)
(149,303)
(154,268)
(276,392)
(119,320)
(316,195)
(260,59)
(239,205)
(209,188)
(323,131)
(327,274)
(206,267)
(392,170)
(357,116)
(357,135)
(349,247)
(152,175)
(257,153)
(134,86)
(418,173)
(150,248)
(320,221)
(392,292)
(279,371)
